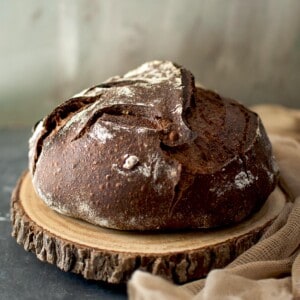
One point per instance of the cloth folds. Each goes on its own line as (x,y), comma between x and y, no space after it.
(268,270)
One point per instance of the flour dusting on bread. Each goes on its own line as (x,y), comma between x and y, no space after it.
(150,151)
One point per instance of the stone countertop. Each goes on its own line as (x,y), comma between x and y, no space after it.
(22,275)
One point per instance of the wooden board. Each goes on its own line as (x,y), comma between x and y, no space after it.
(112,256)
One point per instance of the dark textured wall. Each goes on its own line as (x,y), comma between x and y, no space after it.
(248,50)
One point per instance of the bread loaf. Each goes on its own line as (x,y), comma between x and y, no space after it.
(150,151)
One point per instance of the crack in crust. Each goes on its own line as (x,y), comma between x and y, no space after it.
(157,75)
(56,120)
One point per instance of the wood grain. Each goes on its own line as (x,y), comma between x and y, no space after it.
(112,256)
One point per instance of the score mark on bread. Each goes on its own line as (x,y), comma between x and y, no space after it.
(149,150)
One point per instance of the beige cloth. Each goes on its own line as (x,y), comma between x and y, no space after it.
(268,270)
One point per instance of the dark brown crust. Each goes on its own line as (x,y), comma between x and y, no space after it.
(115,267)
(202,161)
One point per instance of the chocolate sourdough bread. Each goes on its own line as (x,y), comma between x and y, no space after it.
(150,151)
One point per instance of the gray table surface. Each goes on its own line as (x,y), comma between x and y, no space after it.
(22,275)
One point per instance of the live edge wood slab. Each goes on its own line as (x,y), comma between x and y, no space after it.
(112,256)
